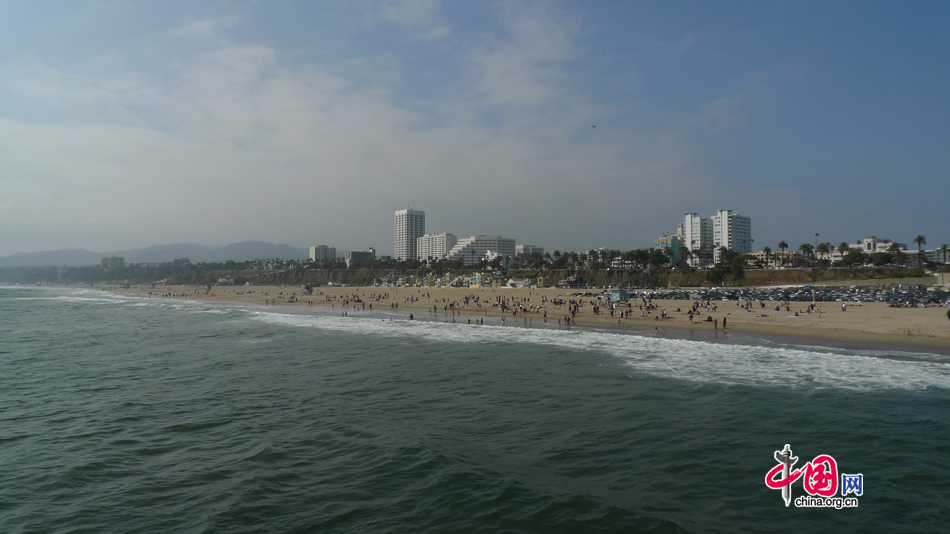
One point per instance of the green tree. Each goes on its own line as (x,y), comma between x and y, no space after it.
(897,254)
(921,241)
(944,248)
(854,257)
(881,258)
(783,245)
(685,255)
(808,251)
(642,257)
(594,259)
(768,254)
(843,249)
(658,259)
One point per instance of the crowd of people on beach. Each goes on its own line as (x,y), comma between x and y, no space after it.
(506,306)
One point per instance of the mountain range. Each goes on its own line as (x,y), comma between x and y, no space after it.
(77,257)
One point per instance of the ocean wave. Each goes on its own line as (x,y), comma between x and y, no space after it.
(67,298)
(683,359)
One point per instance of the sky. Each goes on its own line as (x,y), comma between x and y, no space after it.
(566,125)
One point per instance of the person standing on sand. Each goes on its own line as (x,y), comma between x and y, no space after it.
(716,324)
(724,322)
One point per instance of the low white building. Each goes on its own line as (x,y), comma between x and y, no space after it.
(938,256)
(525,250)
(869,245)
(472,250)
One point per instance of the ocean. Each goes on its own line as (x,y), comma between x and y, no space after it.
(122,414)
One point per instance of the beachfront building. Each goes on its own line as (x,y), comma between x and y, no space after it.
(697,234)
(938,256)
(527,250)
(359,258)
(322,253)
(671,244)
(434,246)
(410,226)
(732,231)
(869,245)
(778,259)
(472,250)
(112,262)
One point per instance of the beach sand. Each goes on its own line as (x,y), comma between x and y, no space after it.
(869,323)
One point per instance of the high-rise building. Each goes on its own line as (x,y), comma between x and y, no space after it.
(472,250)
(434,246)
(732,231)
(697,234)
(527,250)
(410,226)
(112,262)
(322,253)
(359,258)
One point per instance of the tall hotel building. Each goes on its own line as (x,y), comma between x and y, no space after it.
(322,253)
(731,231)
(410,226)
(697,235)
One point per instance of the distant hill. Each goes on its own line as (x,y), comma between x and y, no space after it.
(248,250)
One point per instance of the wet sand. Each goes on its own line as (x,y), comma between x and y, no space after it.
(869,323)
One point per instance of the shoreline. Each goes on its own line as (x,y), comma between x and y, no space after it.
(868,325)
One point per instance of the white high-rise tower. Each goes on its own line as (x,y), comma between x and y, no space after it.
(732,231)
(697,236)
(410,226)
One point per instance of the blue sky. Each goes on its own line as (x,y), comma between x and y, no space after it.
(127,124)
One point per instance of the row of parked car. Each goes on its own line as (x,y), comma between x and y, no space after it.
(907,296)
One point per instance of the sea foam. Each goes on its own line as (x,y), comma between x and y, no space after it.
(767,365)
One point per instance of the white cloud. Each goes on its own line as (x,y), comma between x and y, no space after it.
(206,29)
(424,17)
(526,65)
(236,145)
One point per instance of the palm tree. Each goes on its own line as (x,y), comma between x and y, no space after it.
(822,249)
(920,240)
(843,249)
(685,253)
(768,253)
(943,248)
(808,250)
(783,245)
(897,253)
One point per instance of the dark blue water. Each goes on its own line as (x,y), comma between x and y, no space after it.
(130,415)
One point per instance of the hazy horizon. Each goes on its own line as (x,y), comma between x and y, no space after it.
(566,125)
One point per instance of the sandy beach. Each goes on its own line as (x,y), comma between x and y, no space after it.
(871,323)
